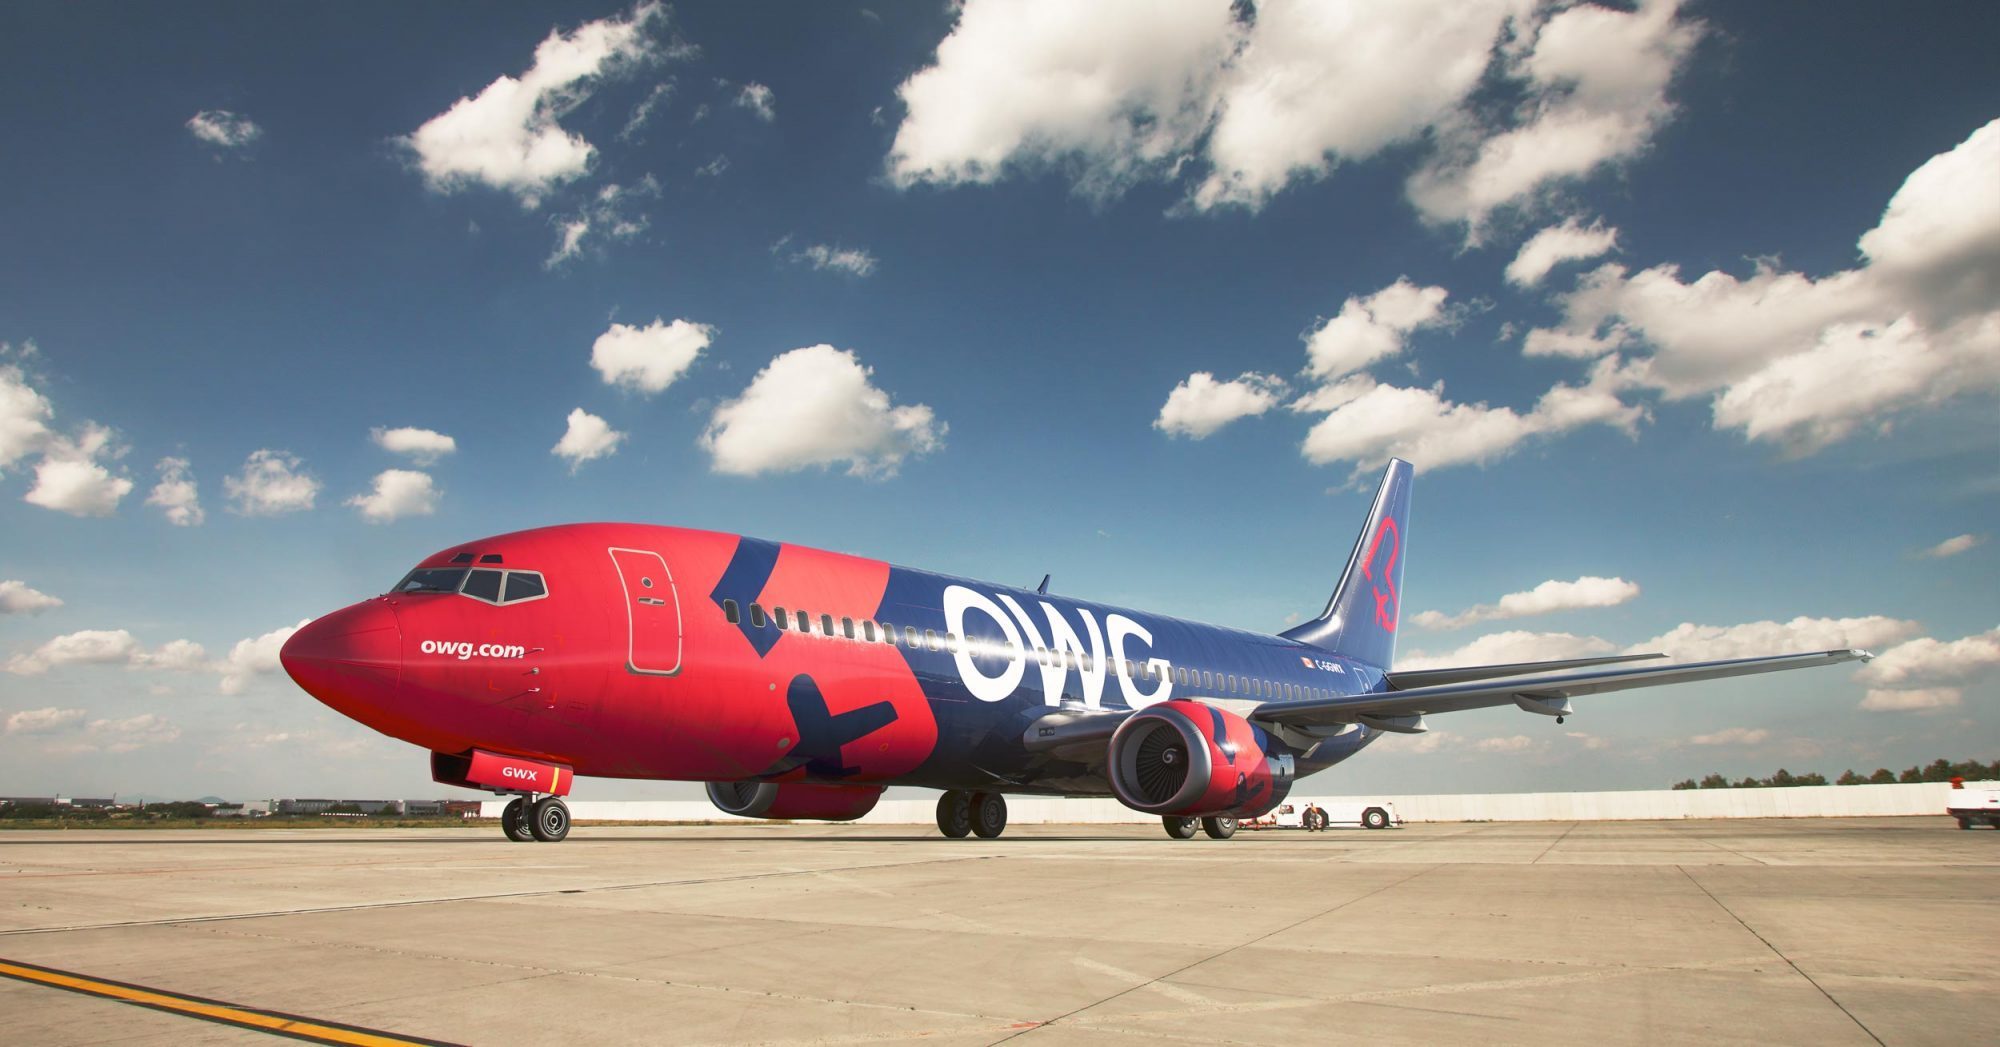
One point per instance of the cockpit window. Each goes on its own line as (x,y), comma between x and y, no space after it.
(431,580)
(483,585)
(524,585)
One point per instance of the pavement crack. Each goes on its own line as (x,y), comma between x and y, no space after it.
(1775,951)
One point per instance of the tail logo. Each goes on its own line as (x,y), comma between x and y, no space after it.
(1384,587)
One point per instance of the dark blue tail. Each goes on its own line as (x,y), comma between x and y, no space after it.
(1360,620)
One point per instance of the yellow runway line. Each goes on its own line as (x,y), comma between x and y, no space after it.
(274,1022)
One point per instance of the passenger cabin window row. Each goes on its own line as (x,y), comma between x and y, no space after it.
(867,631)
(486,586)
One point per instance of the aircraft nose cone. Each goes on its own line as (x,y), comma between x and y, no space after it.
(351,659)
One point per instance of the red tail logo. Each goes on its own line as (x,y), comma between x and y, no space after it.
(1384,588)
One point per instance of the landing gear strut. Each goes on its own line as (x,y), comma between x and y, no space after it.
(526,818)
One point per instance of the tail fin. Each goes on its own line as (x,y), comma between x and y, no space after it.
(1360,620)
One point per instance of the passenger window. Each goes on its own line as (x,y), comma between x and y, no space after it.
(1180,676)
(729,612)
(910,637)
(868,630)
(757,619)
(805,622)
(847,628)
(826,625)
(780,619)
(1208,679)
(931,639)
(483,585)
(951,642)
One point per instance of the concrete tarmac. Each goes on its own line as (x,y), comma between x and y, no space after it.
(1821,931)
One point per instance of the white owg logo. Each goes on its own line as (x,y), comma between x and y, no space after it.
(1022,639)
(466,649)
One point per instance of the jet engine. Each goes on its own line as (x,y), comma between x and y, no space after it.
(826,803)
(1186,759)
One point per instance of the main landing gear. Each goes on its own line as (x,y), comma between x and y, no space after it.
(1221,828)
(526,818)
(961,813)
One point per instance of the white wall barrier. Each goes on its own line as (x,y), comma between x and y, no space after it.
(1808,801)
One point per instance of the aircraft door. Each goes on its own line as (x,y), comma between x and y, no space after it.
(652,612)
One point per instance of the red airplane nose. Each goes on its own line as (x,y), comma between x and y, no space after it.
(351,659)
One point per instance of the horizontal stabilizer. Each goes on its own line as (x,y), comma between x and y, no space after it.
(1411,679)
(1547,692)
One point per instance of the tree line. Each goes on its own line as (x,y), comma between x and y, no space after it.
(1938,770)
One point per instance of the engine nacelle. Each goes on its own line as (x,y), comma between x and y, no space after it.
(1186,759)
(826,803)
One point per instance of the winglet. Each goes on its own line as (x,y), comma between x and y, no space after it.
(1044,587)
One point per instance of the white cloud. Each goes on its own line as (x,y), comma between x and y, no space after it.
(1316,82)
(106,647)
(649,358)
(1923,700)
(133,732)
(587,437)
(509,136)
(397,493)
(1367,422)
(46,720)
(1201,405)
(1547,598)
(70,479)
(606,217)
(1511,744)
(853,261)
(1372,328)
(1932,661)
(24,417)
(17,598)
(1595,80)
(423,446)
(1508,648)
(220,127)
(254,657)
(1733,736)
(759,100)
(1571,241)
(1954,546)
(816,407)
(176,494)
(1689,642)
(271,483)
(1111,91)
(1590,742)
(714,168)
(643,112)
(1804,362)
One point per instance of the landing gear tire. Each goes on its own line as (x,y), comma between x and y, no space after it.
(514,820)
(548,819)
(954,814)
(989,815)
(1179,828)
(1966,823)
(1219,828)
(1375,818)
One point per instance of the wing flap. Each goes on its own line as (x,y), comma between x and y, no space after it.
(1550,691)
(1412,679)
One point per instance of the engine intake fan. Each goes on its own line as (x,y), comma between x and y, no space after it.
(1187,759)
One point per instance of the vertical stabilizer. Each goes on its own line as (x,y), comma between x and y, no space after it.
(1360,621)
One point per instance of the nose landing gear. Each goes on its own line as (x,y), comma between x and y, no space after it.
(526,818)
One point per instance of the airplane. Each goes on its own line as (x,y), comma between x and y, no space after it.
(799,683)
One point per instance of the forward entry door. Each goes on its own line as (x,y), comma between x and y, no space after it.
(652,612)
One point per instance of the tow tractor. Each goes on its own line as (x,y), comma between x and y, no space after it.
(1975,804)
(1367,814)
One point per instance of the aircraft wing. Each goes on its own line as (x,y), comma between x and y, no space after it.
(1403,711)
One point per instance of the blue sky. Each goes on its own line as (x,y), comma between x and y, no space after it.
(1738,398)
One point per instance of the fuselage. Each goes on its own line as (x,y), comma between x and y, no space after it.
(637,651)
